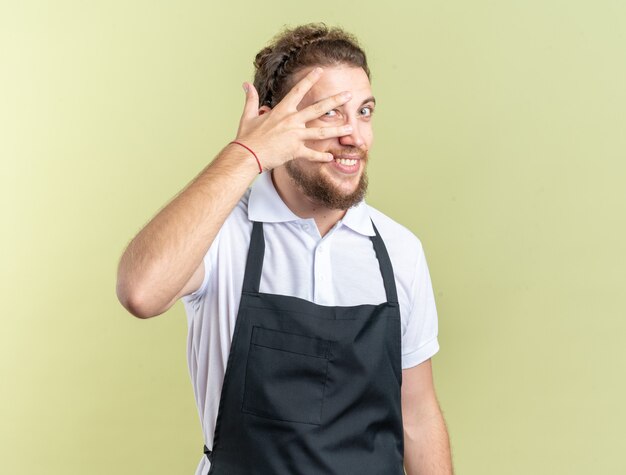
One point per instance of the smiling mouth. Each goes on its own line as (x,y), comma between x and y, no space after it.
(346,165)
(347,161)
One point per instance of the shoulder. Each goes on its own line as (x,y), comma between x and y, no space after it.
(405,252)
(238,217)
(234,232)
(398,239)
(241,208)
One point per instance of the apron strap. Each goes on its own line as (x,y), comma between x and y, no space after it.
(256,252)
(254,264)
(386,269)
(208,453)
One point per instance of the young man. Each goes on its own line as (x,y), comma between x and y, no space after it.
(311,315)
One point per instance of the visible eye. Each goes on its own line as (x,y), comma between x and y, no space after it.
(367,111)
(332,113)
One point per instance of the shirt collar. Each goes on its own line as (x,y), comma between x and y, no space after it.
(265,205)
(358,219)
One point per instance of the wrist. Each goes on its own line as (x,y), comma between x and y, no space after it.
(238,160)
(241,144)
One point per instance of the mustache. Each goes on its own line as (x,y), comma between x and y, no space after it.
(348,152)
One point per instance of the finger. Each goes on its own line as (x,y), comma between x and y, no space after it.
(297,92)
(315,111)
(314,155)
(321,133)
(251,108)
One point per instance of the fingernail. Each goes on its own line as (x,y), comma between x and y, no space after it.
(348,128)
(245,87)
(317,70)
(346,95)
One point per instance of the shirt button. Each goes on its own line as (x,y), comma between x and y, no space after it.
(305,227)
(321,249)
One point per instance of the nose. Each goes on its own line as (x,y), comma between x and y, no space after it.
(354,139)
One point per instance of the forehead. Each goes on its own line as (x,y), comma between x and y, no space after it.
(336,79)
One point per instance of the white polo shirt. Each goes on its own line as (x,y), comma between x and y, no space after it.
(340,269)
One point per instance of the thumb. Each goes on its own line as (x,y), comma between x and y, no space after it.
(251,108)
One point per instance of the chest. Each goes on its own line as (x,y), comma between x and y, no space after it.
(340,269)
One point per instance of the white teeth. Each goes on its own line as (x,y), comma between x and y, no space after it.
(345,161)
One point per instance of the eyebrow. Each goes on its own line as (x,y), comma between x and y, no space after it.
(365,101)
(369,99)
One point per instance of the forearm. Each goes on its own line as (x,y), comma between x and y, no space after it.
(163,256)
(427,447)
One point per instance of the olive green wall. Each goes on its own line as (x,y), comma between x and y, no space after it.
(500,141)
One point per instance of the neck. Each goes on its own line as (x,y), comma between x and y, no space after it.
(303,206)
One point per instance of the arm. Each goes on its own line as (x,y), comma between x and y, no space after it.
(426,443)
(164,261)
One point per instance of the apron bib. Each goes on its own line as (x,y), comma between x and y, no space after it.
(310,389)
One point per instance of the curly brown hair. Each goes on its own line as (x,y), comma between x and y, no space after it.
(294,49)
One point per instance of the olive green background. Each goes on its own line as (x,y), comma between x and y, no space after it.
(500,141)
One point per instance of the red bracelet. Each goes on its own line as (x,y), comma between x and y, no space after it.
(252,152)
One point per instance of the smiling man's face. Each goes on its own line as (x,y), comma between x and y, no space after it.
(341,183)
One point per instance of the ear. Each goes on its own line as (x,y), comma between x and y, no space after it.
(264,109)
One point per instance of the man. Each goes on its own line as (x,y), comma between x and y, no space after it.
(311,314)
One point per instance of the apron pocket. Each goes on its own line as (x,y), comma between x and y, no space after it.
(286,376)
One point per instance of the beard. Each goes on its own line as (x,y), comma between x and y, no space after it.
(320,189)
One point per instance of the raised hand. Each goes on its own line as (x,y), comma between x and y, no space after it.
(278,135)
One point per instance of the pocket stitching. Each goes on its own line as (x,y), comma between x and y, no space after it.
(263,333)
(289,351)
(327,355)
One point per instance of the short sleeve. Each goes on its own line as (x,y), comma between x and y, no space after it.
(419,340)
(209,259)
